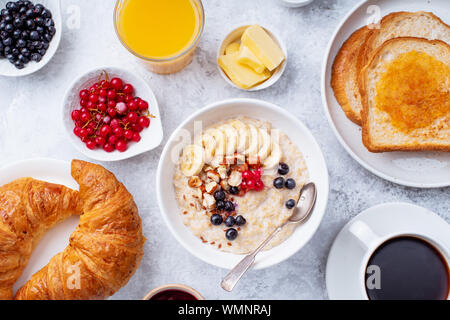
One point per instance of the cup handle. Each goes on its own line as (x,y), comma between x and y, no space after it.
(364,234)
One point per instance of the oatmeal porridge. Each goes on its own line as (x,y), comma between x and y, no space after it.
(237,183)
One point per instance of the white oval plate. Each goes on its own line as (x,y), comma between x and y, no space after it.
(151,137)
(414,169)
(280,118)
(57,238)
(7,69)
(345,272)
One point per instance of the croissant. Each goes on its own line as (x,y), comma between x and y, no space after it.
(28,208)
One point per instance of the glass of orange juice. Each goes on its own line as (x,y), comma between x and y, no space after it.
(162,33)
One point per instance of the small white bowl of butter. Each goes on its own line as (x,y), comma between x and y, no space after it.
(253,62)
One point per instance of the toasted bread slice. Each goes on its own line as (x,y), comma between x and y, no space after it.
(380,132)
(363,43)
(344,80)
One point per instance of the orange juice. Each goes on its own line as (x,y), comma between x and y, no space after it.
(159,30)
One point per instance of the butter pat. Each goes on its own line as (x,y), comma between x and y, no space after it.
(247,57)
(243,76)
(263,47)
(232,48)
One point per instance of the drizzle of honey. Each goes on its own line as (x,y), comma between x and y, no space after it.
(414,90)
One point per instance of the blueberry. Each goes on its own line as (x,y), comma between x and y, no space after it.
(220,205)
(290,184)
(283,169)
(51,31)
(38,8)
(229,206)
(4,35)
(290,203)
(278,183)
(49,22)
(231,234)
(30,24)
(7,50)
(18,22)
(15,51)
(219,195)
(216,219)
(8,19)
(11,58)
(12,6)
(37,44)
(24,59)
(234,190)
(19,64)
(45,45)
(2,26)
(25,52)
(230,221)
(21,43)
(36,57)
(25,34)
(5,12)
(240,220)
(8,42)
(9,28)
(42,52)
(17,34)
(23,9)
(29,14)
(40,29)
(34,35)
(40,21)
(46,13)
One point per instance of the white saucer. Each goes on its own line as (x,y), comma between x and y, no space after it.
(347,258)
(56,239)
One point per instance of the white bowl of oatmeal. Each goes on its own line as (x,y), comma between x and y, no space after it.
(254,136)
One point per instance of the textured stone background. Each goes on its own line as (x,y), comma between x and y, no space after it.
(30,127)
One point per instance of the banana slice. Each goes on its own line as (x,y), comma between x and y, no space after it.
(221,144)
(208,143)
(275,156)
(253,143)
(231,136)
(243,135)
(265,144)
(192,160)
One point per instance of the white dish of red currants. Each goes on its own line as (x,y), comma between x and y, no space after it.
(111,114)
(30,33)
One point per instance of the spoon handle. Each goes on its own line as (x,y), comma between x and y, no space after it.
(238,271)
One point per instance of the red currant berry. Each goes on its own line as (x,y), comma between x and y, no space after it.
(83,133)
(93,98)
(112,112)
(79,123)
(84,94)
(76,115)
(121,108)
(132,106)
(128,89)
(101,100)
(103,93)
(108,147)
(104,84)
(259,185)
(91,105)
(128,134)
(91,144)
(113,140)
(136,128)
(102,107)
(115,123)
(143,105)
(120,98)
(111,104)
(247,175)
(144,122)
(118,131)
(92,125)
(85,117)
(136,137)
(112,95)
(76,131)
(84,103)
(116,83)
(251,184)
(105,130)
(90,131)
(100,141)
(128,98)
(132,117)
(121,145)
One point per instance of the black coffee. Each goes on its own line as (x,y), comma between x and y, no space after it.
(407,268)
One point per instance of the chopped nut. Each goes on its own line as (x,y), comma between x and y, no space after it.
(235,179)
(243,167)
(223,172)
(208,168)
(195,182)
(213,175)
(209,201)
(211,187)
(224,184)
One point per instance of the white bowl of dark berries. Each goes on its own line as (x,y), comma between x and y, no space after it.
(111,114)
(223,207)
(30,33)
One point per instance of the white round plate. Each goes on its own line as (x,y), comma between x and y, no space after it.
(414,169)
(151,137)
(57,238)
(345,269)
(7,69)
(256,109)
